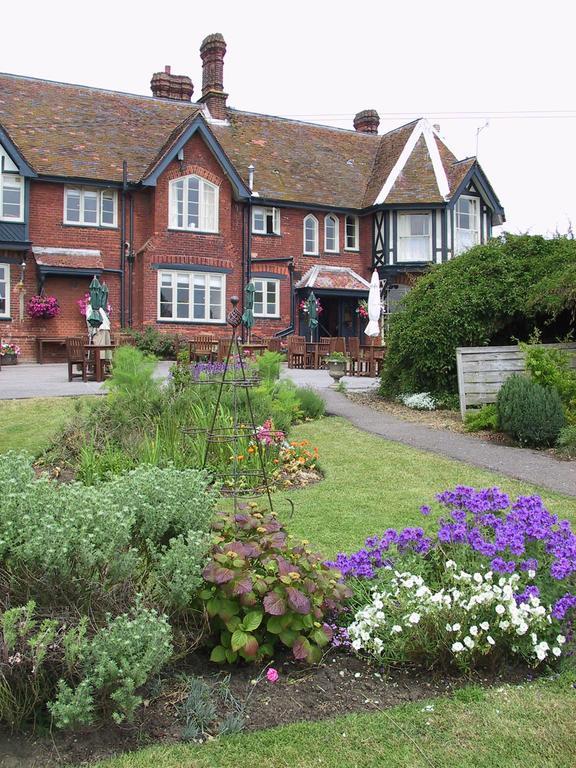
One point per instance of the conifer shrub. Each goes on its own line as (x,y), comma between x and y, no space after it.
(530,413)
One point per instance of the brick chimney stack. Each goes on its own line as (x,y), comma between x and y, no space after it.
(367,121)
(165,85)
(212,52)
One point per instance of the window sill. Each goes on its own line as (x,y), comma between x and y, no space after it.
(266,234)
(12,221)
(191,322)
(352,250)
(89,226)
(267,317)
(193,231)
(5,319)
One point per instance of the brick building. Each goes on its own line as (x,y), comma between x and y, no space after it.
(177,204)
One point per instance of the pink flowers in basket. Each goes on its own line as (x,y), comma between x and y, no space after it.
(8,348)
(43,307)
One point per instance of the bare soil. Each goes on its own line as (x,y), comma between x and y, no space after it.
(340,685)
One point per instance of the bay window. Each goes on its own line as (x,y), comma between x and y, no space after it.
(4,290)
(266,297)
(193,204)
(191,296)
(352,233)
(466,223)
(311,235)
(331,234)
(11,197)
(414,237)
(90,207)
(265,221)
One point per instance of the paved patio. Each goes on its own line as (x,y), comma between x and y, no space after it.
(26,380)
(321,379)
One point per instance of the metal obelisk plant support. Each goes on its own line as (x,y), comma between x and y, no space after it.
(239,381)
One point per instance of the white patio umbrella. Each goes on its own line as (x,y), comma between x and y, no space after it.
(374,306)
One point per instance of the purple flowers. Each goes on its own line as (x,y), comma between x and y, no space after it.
(563,605)
(43,307)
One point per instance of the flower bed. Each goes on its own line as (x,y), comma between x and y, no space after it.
(494,580)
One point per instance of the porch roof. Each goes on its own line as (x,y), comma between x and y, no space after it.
(333,278)
(69,259)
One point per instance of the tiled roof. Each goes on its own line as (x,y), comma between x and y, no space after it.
(77,131)
(72,130)
(333,278)
(68,258)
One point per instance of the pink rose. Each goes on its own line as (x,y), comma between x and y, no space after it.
(272,675)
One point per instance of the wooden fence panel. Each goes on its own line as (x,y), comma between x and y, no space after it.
(483,370)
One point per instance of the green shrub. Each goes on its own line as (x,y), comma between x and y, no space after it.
(492,294)
(264,591)
(152,342)
(268,365)
(112,665)
(566,442)
(551,368)
(531,414)
(311,404)
(484,418)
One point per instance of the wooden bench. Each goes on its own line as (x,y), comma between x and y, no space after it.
(42,341)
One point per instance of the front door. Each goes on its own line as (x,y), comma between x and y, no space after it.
(338,316)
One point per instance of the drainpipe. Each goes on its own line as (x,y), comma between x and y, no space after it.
(123,241)
(243,257)
(131,261)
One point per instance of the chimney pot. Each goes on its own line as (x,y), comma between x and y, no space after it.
(212,52)
(165,85)
(367,121)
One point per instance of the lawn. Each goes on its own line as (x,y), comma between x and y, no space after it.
(369,485)
(29,424)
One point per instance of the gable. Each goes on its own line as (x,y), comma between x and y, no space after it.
(9,164)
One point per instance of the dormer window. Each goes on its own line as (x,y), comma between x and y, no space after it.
(331,234)
(352,233)
(311,235)
(88,207)
(265,221)
(193,204)
(11,197)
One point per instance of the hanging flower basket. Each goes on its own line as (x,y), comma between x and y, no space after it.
(362,309)
(85,300)
(303,306)
(43,307)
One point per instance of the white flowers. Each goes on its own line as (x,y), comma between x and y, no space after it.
(421,401)
(469,643)
(500,610)
(457,647)
(414,618)
(396,629)
(490,640)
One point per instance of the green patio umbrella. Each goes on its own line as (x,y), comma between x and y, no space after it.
(248,316)
(98,301)
(312,314)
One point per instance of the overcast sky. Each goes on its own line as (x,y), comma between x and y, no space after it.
(507,62)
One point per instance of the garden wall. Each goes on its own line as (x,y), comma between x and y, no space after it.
(483,370)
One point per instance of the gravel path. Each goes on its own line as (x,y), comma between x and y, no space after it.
(520,463)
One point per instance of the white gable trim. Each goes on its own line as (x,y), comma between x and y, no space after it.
(308,280)
(422,128)
(9,164)
(434,152)
(400,163)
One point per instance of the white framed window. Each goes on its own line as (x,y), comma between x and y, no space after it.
(193,204)
(11,197)
(265,221)
(352,234)
(266,297)
(414,237)
(88,207)
(4,290)
(331,234)
(191,296)
(311,235)
(466,223)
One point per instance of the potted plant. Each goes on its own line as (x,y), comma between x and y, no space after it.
(9,353)
(336,362)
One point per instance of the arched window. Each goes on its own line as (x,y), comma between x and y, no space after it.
(331,234)
(311,235)
(193,204)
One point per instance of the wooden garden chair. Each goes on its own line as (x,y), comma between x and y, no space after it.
(76,356)
(296,352)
